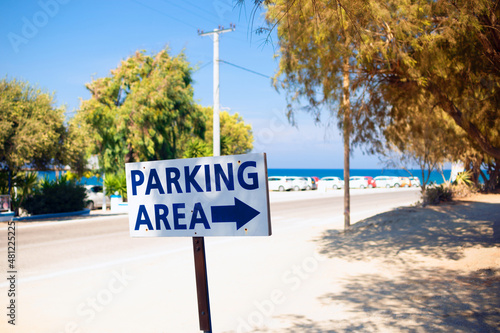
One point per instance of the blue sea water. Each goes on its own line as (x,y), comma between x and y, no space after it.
(435,176)
(51,175)
(320,173)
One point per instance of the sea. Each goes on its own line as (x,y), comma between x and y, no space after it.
(435,177)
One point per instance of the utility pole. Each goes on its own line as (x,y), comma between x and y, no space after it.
(216,123)
(199,242)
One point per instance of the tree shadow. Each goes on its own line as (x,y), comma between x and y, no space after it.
(440,232)
(425,301)
(422,301)
(418,298)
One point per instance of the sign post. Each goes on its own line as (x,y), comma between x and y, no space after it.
(199,197)
(200,268)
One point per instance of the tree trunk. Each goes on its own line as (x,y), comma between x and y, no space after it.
(423,186)
(346,105)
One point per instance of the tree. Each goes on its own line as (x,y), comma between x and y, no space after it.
(25,184)
(236,136)
(319,75)
(32,130)
(143,111)
(444,52)
(428,140)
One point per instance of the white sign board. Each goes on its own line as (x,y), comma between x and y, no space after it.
(198,197)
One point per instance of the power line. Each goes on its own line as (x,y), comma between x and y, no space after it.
(246,69)
(189,11)
(204,65)
(163,13)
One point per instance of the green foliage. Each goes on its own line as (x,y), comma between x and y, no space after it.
(447,192)
(236,137)
(116,182)
(4,182)
(57,196)
(463,178)
(26,184)
(23,184)
(144,111)
(197,148)
(77,148)
(31,129)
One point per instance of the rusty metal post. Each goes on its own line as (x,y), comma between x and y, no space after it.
(200,266)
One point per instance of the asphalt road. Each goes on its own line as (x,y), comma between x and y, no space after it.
(90,276)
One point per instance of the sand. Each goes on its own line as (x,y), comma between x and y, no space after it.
(432,269)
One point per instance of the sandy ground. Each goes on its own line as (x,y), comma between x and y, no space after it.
(433,269)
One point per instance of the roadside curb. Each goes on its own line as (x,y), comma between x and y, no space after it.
(51,216)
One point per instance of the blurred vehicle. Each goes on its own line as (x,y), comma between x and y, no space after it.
(405,181)
(278,183)
(358,182)
(371,182)
(312,184)
(415,181)
(397,181)
(386,181)
(327,183)
(298,183)
(5,203)
(95,196)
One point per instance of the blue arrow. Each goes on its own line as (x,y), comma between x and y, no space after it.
(240,212)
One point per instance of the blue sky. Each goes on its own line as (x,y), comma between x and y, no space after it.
(59,45)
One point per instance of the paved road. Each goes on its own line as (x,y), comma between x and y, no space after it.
(90,276)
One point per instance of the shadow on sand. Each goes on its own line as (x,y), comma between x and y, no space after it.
(418,298)
(437,231)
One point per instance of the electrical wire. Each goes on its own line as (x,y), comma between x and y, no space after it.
(245,69)
(190,11)
(163,13)
(204,65)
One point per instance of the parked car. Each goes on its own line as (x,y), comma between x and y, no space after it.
(298,183)
(405,181)
(397,181)
(415,181)
(95,196)
(358,182)
(278,183)
(327,183)
(371,182)
(386,181)
(312,183)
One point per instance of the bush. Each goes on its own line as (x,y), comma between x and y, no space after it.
(22,183)
(435,195)
(463,190)
(116,183)
(57,196)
